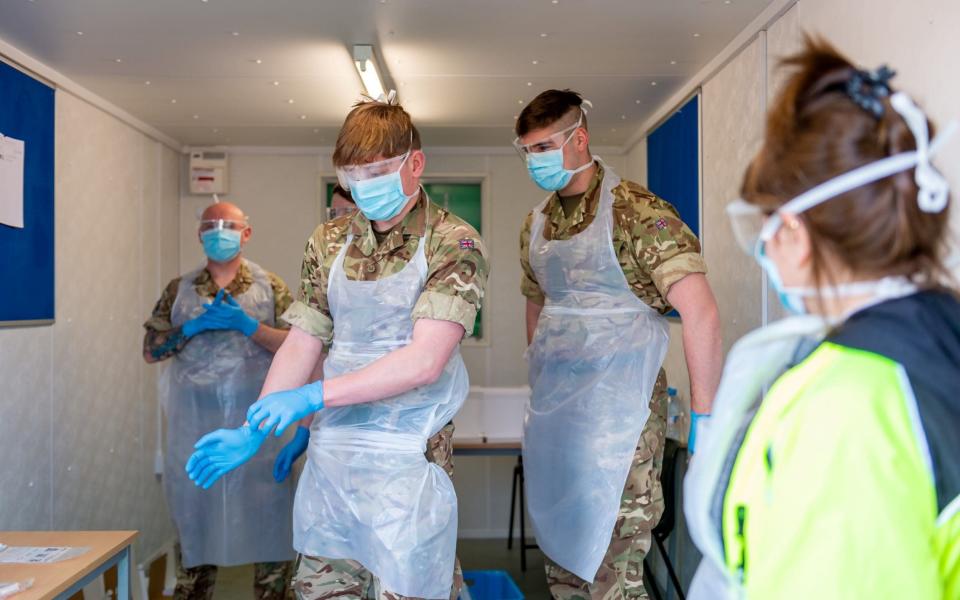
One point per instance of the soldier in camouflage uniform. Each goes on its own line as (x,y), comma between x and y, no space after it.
(164,341)
(396,263)
(660,259)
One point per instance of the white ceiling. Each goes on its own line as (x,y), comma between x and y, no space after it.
(463,68)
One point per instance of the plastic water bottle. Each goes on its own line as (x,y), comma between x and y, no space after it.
(676,417)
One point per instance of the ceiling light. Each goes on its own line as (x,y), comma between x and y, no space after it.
(234,33)
(623,117)
(258,61)
(613,130)
(543,35)
(303,117)
(276,83)
(196,117)
(173,101)
(290,101)
(316,131)
(673,62)
(365,62)
(653,83)
(118,60)
(535,62)
(696,35)
(146,83)
(79,33)
(519,101)
(637,101)
(215,130)
(555,1)
(529,84)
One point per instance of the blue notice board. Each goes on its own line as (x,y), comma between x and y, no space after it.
(27,255)
(673,162)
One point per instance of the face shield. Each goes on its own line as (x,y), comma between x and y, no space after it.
(554,141)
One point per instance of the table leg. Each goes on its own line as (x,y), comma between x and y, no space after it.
(123,575)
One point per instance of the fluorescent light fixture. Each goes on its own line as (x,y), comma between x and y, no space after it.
(366,64)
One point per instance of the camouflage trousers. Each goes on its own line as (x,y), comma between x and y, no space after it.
(319,578)
(270,581)
(621,573)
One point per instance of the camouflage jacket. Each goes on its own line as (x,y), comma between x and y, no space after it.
(654,246)
(207,288)
(456,257)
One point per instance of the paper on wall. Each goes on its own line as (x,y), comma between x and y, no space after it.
(11,181)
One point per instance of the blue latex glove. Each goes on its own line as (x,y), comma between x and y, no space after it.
(222,451)
(226,313)
(697,420)
(283,409)
(290,453)
(204,322)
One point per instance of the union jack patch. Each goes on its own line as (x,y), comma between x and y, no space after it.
(467,244)
(661,223)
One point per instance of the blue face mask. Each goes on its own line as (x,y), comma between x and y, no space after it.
(546,168)
(221,245)
(791,299)
(380,198)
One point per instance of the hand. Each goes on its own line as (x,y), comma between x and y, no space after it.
(203,322)
(290,453)
(229,315)
(222,451)
(282,409)
(697,422)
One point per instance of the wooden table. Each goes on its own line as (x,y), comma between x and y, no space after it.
(485,447)
(63,579)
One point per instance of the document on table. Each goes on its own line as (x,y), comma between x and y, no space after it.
(11,181)
(38,554)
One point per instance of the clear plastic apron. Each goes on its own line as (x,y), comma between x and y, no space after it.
(245,517)
(367,492)
(594,360)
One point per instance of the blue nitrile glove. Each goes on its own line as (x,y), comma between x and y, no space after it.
(203,322)
(283,409)
(290,453)
(697,421)
(222,451)
(230,315)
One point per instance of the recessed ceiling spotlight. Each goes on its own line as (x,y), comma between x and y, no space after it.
(613,130)
(258,61)
(727,1)
(529,84)
(303,117)
(290,101)
(276,83)
(623,117)
(195,117)
(696,35)
(173,101)
(316,131)
(543,35)
(653,83)
(215,130)
(118,60)
(234,33)
(519,101)
(79,33)
(535,62)
(673,62)
(146,83)
(554,1)
(204,1)
(637,101)
(515,117)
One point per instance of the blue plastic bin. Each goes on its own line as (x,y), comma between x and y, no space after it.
(490,585)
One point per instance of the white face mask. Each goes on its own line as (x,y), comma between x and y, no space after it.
(753,229)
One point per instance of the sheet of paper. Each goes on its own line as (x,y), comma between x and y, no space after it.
(12,152)
(39,554)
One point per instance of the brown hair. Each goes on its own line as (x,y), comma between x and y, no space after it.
(816,131)
(548,108)
(374,129)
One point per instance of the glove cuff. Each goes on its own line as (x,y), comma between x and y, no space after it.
(315,395)
(250,326)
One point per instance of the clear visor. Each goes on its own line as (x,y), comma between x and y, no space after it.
(370,170)
(554,141)
(333,213)
(749,224)
(212,224)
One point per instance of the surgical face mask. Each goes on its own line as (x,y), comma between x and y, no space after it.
(378,196)
(753,229)
(545,165)
(221,245)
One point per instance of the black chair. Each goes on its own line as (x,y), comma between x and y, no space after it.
(668,476)
(518,486)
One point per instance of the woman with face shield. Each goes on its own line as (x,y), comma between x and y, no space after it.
(844,481)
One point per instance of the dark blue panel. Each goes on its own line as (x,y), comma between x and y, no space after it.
(673,166)
(26,255)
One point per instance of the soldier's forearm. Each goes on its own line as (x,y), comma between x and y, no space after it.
(269,338)
(161,345)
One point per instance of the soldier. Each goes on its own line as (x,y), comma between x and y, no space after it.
(603,259)
(220,326)
(390,290)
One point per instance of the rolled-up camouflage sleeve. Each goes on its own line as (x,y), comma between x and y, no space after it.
(529,286)
(311,311)
(282,299)
(664,245)
(457,276)
(161,319)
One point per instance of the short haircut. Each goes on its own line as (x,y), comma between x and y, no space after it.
(339,190)
(375,129)
(548,108)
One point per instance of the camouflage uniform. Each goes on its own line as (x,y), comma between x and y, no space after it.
(655,249)
(163,342)
(457,274)
(197,583)
(270,581)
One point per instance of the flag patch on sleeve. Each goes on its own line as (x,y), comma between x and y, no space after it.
(467,244)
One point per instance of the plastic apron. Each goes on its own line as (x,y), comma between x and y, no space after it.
(594,361)
(367,492)
(245,517)
(754,363)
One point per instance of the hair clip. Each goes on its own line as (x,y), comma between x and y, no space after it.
(868,89)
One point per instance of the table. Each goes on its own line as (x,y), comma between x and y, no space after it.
(63,579)
(503,447)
